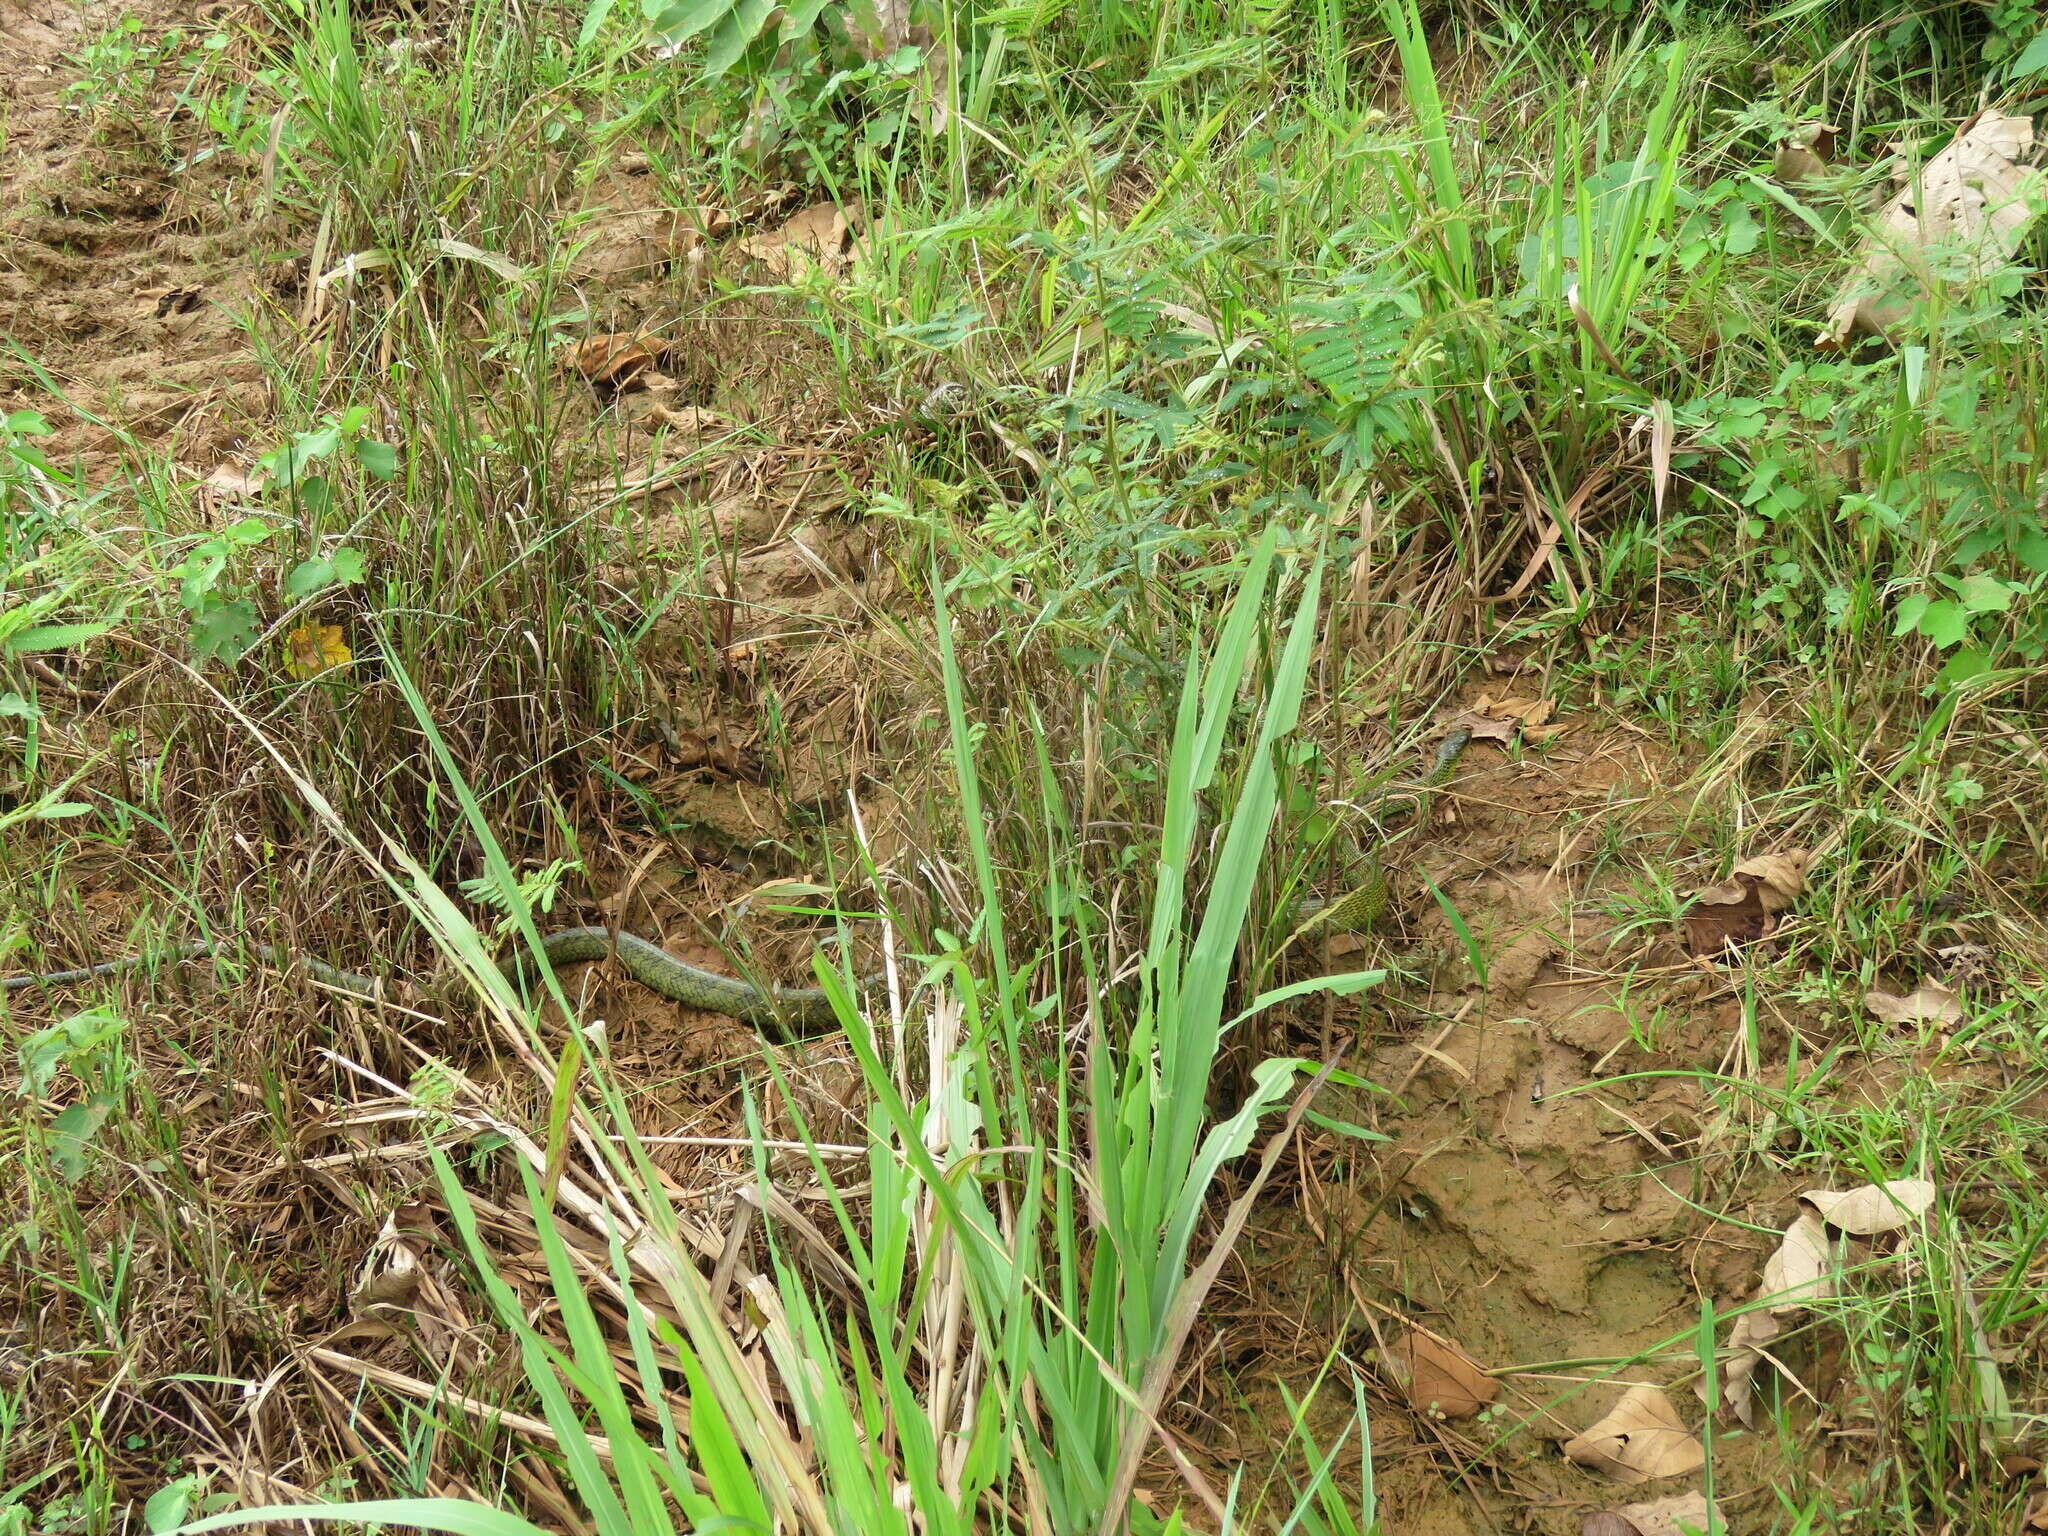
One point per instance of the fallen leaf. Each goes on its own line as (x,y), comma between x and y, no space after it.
(1969,206)
(1739,910)
(313,648)
(820,236)
(233,480)
(1798,1273)
(2037,1513)
(1640,1439)
(1873,1208)
(1749,1338)
(1925,1004)
(1807,152)
(615,360)
(1683,1514)
(1501,719)
(1439,1377)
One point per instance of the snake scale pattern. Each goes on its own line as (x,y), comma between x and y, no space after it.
(780,1011)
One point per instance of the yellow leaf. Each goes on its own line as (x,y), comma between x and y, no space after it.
(312,648)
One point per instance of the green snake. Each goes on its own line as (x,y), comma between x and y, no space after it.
(780,1010)
(1361,907)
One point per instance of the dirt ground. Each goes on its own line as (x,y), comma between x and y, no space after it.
(1544,1194)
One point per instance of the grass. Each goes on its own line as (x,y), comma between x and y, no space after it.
(1216,400)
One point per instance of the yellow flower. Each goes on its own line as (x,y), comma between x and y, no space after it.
(313,648)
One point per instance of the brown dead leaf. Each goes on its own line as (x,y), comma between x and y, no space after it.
(1806,152)
(1683,1514)
(1970,204)
(1502,719)
(233,482)
(1438,1377)
(1642,1438)
(821,236)
(614,361)
(1740,909)
(1798,1273)
(1873,1208)
(1749,1338)
(2037,1513)
(692,750)
(1925,1004)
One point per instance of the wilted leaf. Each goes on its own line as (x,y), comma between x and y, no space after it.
(1873,1208)
(1739,910)
(313,648)
(614,361)
(1926,1004)
(1640,1439)
(1972,202)
(1806,152)
(1683,1514)
(2036,1518)
(1438,1377)
(820,236)
(1501,719)
(1797,1274)
(1749,1338)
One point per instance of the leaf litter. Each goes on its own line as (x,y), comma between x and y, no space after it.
(1438,1377)
(1801,1270)
(1639,1440)
(1742,909)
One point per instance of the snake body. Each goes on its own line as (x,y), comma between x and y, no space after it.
(777,1009)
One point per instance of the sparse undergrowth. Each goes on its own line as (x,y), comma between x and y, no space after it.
(1004,499)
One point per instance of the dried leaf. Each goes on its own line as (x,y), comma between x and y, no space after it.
(313,648)
(1749,1338)
(1925,1004)
(1739,910)
(1640,1439)
(820,236)
(1438,1377)
(1798,1273)
(1683,1514)
(1970,205)
(1806,152)
(233,480)
(616,360)
(1501,719)
(2036,1518)
(1873,1208)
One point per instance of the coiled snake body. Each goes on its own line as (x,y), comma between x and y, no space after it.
(777,1009)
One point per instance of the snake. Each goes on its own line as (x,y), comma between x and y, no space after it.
(1362,906)
(780,1010)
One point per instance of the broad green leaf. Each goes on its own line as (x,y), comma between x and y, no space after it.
(1944,623)
(348,565)
(683,19)
(734,34)
(71,1134)
(379,460)
(53,637)
(1907,618)
(225,631)
(166,1508)
(308,577)
(593,21)
(61,810)
(14,706)
(2033,58)
(1984,594)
